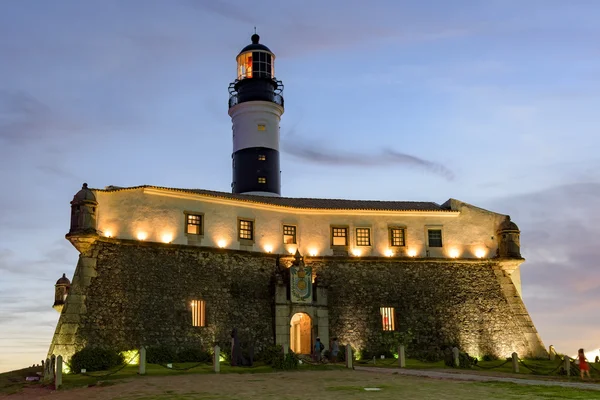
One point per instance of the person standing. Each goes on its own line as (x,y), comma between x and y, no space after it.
(335,349)
(583,365)
(318,349)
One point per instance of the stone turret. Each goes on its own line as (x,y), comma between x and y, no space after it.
(84,208)
(509,242)
(61,290)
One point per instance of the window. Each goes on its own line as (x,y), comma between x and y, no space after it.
(193,224)
(435,237)
(262,127)
(262,180)
(289,234)
(363,236)
(397,237)
(198,313)
(339,236)
(262,157)
(245,229)
(388,322)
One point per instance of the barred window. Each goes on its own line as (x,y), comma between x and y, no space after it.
(262,127)
(388,322)
(198,313)
(363,236)
(435,237)
(193,224)
(339,236)
(289,234)
(397,237)
(246,229)
(262,157)
(262,180)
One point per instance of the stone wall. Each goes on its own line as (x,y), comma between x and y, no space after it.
(141,294)
(441,302)
(129,293)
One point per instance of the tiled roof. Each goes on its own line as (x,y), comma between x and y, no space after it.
(304,203)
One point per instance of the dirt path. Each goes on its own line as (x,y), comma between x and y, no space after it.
(478,378)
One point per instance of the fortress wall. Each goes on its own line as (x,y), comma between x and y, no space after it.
(129,293)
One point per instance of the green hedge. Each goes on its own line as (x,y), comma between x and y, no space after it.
(166,355)
(95,359)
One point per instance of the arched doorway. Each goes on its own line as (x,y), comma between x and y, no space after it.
(300,333)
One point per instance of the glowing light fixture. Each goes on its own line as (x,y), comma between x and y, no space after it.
(142,235)
(269,248)
(454,253)
(480,253)
(108,234)
(356,252)
(312,252)
(167,237)
(412,252)
(221,243)
(389,252)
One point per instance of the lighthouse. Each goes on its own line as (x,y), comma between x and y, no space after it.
(255,108)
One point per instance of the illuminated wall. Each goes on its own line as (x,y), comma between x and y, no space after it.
(157,215)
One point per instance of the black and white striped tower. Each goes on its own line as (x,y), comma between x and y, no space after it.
(255,108)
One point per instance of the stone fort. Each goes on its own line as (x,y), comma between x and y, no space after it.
(182,267)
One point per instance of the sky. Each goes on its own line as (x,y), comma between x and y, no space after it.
(492,102)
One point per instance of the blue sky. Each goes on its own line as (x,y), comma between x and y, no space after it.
(493,102)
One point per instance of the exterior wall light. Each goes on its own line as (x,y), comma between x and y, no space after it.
(356,252)
(389,252)
(313,252)
(221,243)
(454,253)
(480,253)
(142,235)
(412,252)
(167,238)
(269,248)
(108,234)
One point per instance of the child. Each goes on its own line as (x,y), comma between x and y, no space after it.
(583,365)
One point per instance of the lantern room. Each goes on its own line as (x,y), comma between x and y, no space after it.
(256,61)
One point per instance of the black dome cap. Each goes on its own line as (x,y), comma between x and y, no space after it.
(255,45)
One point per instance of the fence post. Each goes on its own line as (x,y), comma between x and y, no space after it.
(142,363)
(58,376)
(349,357)
(515,362)
(455,353)
(374,358)
(401,359)
(551,352)
(567,365)
(217,359)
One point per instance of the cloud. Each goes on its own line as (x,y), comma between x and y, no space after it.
(24,118)
(386,157)
(561,279)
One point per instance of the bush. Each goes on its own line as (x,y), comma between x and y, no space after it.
(290,361)
(490,357)
(270,353)
(160,355)
(431,355)
(193,354)
(96,359)
(464,359)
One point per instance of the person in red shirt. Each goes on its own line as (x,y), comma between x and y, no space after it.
(583,365)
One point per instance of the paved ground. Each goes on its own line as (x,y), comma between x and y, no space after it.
(478,378)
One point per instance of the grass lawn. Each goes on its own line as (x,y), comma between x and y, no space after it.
(330,384)
(13,381)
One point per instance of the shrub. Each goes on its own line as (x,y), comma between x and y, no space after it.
(270,353)
(160,355)
(431,355)
(464,359)
(193,354)
(96,359)
(490,357)
(290,361)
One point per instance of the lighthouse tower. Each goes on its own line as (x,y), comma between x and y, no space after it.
(255,108)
